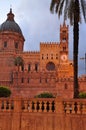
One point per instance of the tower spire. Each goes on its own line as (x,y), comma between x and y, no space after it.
(10,15)
(64,24)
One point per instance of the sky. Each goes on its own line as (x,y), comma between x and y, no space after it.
(39,25)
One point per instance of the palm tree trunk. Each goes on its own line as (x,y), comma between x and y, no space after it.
(75,54)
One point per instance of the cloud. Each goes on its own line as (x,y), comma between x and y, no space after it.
(39,23)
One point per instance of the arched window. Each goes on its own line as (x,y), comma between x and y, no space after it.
(5,44)
(51,56)
(65,86)
(29,67)
(16,45)
(36,67)
(28,80)
(47,56)
(40,80)
(46,80)
(22,80)
(42,56)
(50,66)
(56,56)
(64,48)
(22,67)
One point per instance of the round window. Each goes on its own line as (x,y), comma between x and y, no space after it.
(50,66)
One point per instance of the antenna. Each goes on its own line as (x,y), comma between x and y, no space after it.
(10,6)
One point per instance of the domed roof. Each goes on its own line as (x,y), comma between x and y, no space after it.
(10,24)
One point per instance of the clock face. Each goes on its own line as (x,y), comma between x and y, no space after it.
(64,57)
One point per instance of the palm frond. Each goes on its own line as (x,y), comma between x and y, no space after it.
(70,7)
(61,6)
(52,5)
(71,12)
(66,10)
(83,8)
(57,6)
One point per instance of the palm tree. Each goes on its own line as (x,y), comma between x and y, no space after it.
(73,10)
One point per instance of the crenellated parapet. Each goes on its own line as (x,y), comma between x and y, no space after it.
(31,52)
(49,44)
(82,78)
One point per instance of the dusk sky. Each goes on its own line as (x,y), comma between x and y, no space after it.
(39,25)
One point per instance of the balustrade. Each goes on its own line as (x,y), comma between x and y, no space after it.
(75,106)
(38,105)
(54,105)
(6,104)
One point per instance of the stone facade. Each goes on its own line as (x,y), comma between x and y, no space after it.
(49,70)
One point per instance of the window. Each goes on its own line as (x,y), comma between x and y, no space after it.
(28,80)
(51,56)
(42,56)
(47,56)
(16,45)
(65,86)
(22,68)
(46,80)
(50,66)
(64,39)
(64,31)
(56,56)
(22,80)
(5,44)
(36,67)
(40,80)
(64,48)
(29,67)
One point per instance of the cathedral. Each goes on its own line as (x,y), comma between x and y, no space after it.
(30,73)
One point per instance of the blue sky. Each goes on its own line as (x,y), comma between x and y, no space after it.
(39,25)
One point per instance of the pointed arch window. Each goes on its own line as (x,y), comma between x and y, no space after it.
(56,56)
(28,80)
(29,67)
(47,56)
(51,56)
(16,45)
(65,86)
(5,44)
(36,67)
(22,80)
(42,56)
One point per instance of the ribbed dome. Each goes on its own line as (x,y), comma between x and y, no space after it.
(10,24)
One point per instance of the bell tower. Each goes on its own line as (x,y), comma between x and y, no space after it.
(63,33)
(64,42)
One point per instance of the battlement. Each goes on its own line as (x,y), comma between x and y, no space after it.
(31,52)
(82,78)
(48,44)
(64,25)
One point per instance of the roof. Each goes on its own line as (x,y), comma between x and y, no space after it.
(10,24)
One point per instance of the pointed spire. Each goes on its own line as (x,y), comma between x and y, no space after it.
(10,15)
(64,24)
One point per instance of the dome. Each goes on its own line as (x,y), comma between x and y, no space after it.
(10,24)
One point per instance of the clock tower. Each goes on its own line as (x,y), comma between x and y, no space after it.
(63,42)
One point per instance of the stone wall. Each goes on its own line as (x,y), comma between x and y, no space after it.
(42,114)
